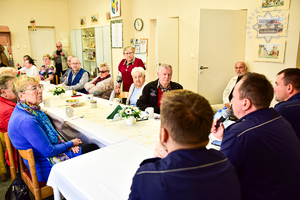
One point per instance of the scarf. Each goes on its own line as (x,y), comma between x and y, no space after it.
(100,79)
(51,133)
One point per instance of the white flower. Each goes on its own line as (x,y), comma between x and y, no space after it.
(128,111)
(136,109)
(59,89)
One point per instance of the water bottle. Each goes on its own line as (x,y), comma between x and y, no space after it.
(218,114)
(226,122)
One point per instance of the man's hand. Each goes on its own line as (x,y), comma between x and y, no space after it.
(227,105)
(62,54)
(217,132)
(160,151)
(55,55)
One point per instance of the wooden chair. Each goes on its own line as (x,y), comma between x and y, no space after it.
(123,95)
(38,190)
(32,182)
(11,156)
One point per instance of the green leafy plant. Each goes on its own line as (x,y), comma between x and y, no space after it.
(130,111)
(58,90)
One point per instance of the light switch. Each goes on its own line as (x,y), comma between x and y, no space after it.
(192,56)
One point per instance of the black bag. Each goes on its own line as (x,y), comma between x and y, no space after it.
(18,190)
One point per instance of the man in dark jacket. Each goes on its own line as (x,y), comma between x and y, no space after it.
(153,91)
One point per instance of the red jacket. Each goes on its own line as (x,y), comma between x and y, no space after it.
(6,109)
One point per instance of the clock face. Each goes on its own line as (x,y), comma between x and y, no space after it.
(138,24)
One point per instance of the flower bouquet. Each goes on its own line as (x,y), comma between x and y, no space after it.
(130,113)
(58,91)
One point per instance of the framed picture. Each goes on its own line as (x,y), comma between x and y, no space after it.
(269,5)
(82,22)
(94,18)
(272,25)
(115,8)
(269,52)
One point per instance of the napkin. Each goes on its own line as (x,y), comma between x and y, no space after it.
(117,109)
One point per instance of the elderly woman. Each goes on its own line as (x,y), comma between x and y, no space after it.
(136,88)
(30,69)
(47,71)
(103,85)
(7,104)
(29,127)
(125,67)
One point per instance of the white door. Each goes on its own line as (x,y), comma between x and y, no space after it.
(42,41)
(222,40)
(167,44)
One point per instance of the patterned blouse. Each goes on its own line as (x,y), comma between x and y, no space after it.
(45,71)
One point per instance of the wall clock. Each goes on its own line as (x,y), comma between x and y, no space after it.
(138,24)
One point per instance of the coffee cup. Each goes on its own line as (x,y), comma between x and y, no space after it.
(150,112)
(46,102)
(89,97)
(93,103)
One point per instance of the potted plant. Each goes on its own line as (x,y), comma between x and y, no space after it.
(130,113)
(58,91)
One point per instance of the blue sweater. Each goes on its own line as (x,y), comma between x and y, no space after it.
(26,132)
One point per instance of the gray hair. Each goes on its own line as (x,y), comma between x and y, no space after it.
(165,65)
(138,69)
(4,79)
(104,65)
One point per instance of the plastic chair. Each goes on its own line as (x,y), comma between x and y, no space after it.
(123,95)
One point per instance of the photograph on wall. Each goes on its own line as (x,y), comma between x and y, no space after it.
(269,5)
(82,22)
(271,25)
(115,8)
(269,52)
(94,19)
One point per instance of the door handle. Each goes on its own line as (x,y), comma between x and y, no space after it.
(201,67)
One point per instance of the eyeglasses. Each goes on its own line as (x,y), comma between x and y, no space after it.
(69,60)
(58,46)
(142,119)
(46,59)
(128,53)
(103,71)
(35,88)
(75,63)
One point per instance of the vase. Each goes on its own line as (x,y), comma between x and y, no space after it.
(59,97)
(130,120)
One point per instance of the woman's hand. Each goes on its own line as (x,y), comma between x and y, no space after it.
(75,149)
(76,142)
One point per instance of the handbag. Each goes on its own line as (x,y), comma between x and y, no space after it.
(18,190)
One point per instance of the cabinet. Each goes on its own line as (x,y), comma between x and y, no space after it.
(92,46)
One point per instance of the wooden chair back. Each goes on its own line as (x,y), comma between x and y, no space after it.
(33,183)
(10,147)
(123,95)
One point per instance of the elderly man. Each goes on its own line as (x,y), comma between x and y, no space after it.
(153,91)
(77,78)
(190,171)
(240,70)
(287,93)
(261,145)
(60,60)
(64,77)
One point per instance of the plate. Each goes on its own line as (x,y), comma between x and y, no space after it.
(77,104)
(72,101)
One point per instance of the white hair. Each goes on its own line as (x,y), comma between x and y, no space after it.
(138,69)
(165,65)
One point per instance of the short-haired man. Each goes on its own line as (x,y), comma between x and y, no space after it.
(65,75)
(190,171)
(240,70)
(261,145)
(59,57)
(77,78)
(287,93)
(153,91)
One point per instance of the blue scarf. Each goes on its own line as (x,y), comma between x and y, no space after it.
(50,131)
